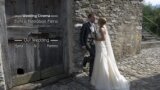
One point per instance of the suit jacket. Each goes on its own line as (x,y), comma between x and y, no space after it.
(86,35)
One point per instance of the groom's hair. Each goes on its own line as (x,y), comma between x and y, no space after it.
(90,15)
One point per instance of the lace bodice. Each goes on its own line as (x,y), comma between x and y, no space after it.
(98,34)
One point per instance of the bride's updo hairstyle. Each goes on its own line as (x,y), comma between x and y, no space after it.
(102,21)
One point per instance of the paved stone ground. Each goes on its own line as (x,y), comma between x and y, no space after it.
(142,70)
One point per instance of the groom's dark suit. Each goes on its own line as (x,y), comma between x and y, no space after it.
(87,37)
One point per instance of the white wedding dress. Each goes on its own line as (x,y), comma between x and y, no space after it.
(105,75)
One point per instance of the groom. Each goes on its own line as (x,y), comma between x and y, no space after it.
(87,39)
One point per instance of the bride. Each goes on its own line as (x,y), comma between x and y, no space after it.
(105,75)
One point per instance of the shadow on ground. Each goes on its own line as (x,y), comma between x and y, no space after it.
(147,83)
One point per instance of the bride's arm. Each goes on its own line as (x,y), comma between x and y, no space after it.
(103,33)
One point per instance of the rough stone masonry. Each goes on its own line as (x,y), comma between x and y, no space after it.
(124,23)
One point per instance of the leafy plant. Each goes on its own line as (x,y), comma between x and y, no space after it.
(151,19)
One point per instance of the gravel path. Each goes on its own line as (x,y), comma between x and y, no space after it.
(142,70)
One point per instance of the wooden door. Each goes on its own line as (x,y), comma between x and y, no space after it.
(35,43)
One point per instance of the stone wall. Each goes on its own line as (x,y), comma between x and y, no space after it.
(124,22)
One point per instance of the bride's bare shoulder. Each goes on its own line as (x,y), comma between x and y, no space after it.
(104,29)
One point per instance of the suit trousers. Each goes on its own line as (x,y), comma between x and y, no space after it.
(91,50)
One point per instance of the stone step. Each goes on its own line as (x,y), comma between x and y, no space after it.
(150,44)
(39,84)
(148,36)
